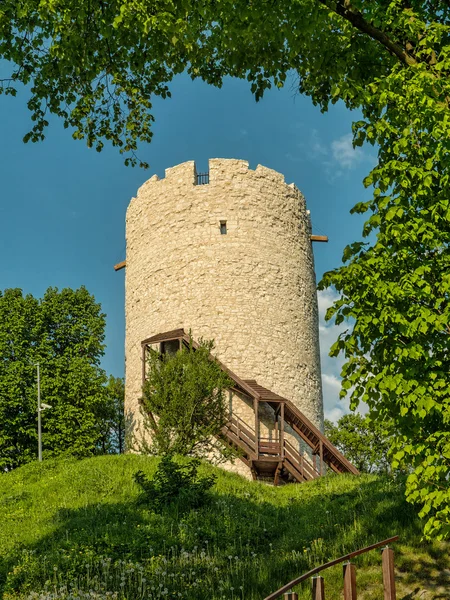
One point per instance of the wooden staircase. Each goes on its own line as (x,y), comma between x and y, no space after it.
(275,460)
(270,462)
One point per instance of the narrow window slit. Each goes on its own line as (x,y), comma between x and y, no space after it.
(223,227)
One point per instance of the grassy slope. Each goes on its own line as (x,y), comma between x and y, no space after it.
(78,523)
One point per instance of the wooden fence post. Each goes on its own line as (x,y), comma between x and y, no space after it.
(318,590)
(291,596)
(388,574)
(349,582)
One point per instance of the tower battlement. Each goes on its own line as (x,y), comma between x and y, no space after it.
(227,178)
(220,170)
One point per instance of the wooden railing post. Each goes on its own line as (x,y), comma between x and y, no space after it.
(144,361)
(349,582)
(256,410)
(291,596)
(388,574)
(318,589)
(321,456)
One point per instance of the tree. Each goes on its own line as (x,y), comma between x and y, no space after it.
(184,402)
(112,421)
(361,440)
(64,333)
(98,65)
(18,334)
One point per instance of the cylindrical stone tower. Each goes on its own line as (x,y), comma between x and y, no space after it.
(229,260)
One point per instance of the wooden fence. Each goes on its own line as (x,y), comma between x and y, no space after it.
(349,575)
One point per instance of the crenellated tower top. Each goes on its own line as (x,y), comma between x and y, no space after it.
(220,170)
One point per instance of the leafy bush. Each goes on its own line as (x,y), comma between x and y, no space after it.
(175,483)
(184,404)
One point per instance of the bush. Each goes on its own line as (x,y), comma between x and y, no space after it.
(175,483)
(184,404)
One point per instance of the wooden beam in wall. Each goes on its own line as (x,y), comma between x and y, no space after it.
(319,238)
(120,265)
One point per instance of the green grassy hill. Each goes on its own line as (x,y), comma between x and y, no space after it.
(77,525)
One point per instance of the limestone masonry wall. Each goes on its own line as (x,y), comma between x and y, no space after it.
(252,290)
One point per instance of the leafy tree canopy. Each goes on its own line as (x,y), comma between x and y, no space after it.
(363,441)
(97,65)
(112,421)
(64,333)
(184,403)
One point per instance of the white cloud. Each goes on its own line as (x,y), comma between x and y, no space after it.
(335,413)
(336,157)
(332,382)
(293,157)
(334,407)
(345,155)
(316,146)
(325,299)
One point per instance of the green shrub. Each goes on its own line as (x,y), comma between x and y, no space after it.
(186,391)
(175,483)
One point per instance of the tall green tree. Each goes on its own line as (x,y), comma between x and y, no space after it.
(98,65)
(19,331)
(363,441)
(64,333)
(112,418)
(184,403)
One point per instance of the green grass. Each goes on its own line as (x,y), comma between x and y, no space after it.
(76,529)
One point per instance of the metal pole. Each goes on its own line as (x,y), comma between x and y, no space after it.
(39,415)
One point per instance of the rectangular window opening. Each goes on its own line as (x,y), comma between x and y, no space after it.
(170,347)
(202,178)
(223,227)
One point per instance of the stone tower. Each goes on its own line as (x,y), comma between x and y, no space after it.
(231,260)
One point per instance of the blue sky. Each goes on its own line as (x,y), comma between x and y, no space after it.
(62,209)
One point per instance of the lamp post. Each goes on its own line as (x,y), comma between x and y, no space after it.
(39,414)
(40,408)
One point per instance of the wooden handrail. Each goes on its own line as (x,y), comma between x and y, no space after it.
(242,426)
(241,433)
(305,464)
(330,452)
(336,561)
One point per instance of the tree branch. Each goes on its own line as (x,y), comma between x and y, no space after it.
(344,9)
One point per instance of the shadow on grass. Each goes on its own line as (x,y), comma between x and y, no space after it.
(237,546)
